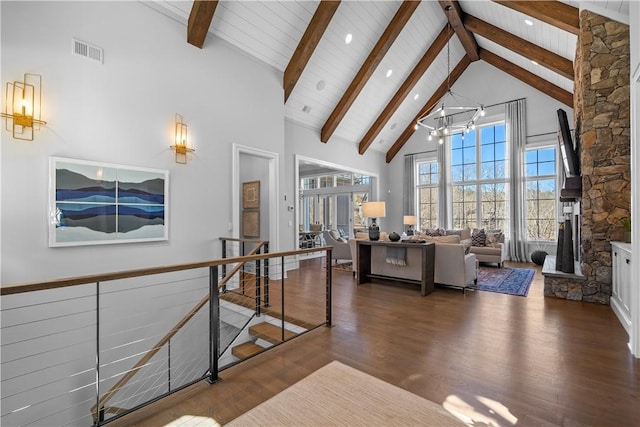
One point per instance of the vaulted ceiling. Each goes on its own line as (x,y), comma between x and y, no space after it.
(401,59)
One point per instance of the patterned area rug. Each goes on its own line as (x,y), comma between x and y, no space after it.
(512,281)
(345,266)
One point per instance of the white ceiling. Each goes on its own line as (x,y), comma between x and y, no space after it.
(271,30)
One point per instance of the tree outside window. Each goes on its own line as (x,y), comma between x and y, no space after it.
(427,189)
(479,181)
(541,194)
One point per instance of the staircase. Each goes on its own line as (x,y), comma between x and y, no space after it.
(262,335)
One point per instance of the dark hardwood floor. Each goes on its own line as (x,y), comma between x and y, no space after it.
(498,359)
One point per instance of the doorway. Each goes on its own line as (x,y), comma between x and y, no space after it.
(330,197)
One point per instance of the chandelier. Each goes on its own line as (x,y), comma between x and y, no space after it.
(442,122)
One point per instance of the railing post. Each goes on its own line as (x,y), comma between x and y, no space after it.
(266,276)
(258,271)
(224,266)
(329,287)
(242,275)
(99,416)
(214,325)
(282,296)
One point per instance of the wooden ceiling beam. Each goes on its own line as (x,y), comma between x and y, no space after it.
(455,16)
(527,77)
(428,107)
(416,74)
(378,52)
(199,21)
(308,43)
(561,15)
(531,51)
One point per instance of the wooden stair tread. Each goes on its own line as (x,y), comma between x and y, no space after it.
(270,333)
(246,349)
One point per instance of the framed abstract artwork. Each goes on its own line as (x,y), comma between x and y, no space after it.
(94,203)
(251,195)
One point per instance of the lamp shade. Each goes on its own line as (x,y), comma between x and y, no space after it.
(409,220)
(373,210)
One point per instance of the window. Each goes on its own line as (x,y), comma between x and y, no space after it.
(427,190)
(479,181)
(540,164)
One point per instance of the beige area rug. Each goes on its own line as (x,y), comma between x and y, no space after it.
(338,395)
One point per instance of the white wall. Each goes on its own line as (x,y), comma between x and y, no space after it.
(487,85)
(122,112)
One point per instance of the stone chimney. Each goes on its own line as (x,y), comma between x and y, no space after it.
(603,128)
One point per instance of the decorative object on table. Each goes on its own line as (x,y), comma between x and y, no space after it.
(23,102)
(251,195)
(512,281)
(95,203)
(559,247)
(374,210)
(626,222)
(568,265)
(409,220)
(394,237)
(251,223)
(538,257)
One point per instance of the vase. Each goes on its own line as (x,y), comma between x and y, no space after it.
(538,257)
(568,265)
(394,237)
(559,247)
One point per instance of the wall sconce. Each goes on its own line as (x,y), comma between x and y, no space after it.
(180,146)
(22,105)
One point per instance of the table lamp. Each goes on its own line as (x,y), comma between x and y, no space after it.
(374,210)
(409,220)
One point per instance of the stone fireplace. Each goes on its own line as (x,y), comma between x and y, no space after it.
(603,129)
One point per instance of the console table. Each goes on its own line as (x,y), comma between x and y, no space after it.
(419,268)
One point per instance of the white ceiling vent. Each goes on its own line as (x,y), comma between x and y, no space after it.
(87,50)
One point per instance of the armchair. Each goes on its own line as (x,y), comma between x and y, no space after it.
(340,248)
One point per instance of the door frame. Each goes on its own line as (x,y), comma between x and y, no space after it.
(375,185)
(274,190)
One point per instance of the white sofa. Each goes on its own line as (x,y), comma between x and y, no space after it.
(340,247)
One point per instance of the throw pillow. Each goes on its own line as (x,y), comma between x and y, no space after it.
(433,232)
(466,243)
(335,234)
(493,237)
(478,237)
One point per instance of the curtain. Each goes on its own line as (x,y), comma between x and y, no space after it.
(409,195)
(442,186)
(516,124)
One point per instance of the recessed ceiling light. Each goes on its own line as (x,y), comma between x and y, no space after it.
(389,72)
(320,85)
(348,38)
(416,96)
(393,126)
(528,22)
(534,62)
(381,141)
(306,109)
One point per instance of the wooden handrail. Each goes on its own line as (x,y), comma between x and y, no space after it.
(126,274)
(152,352)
